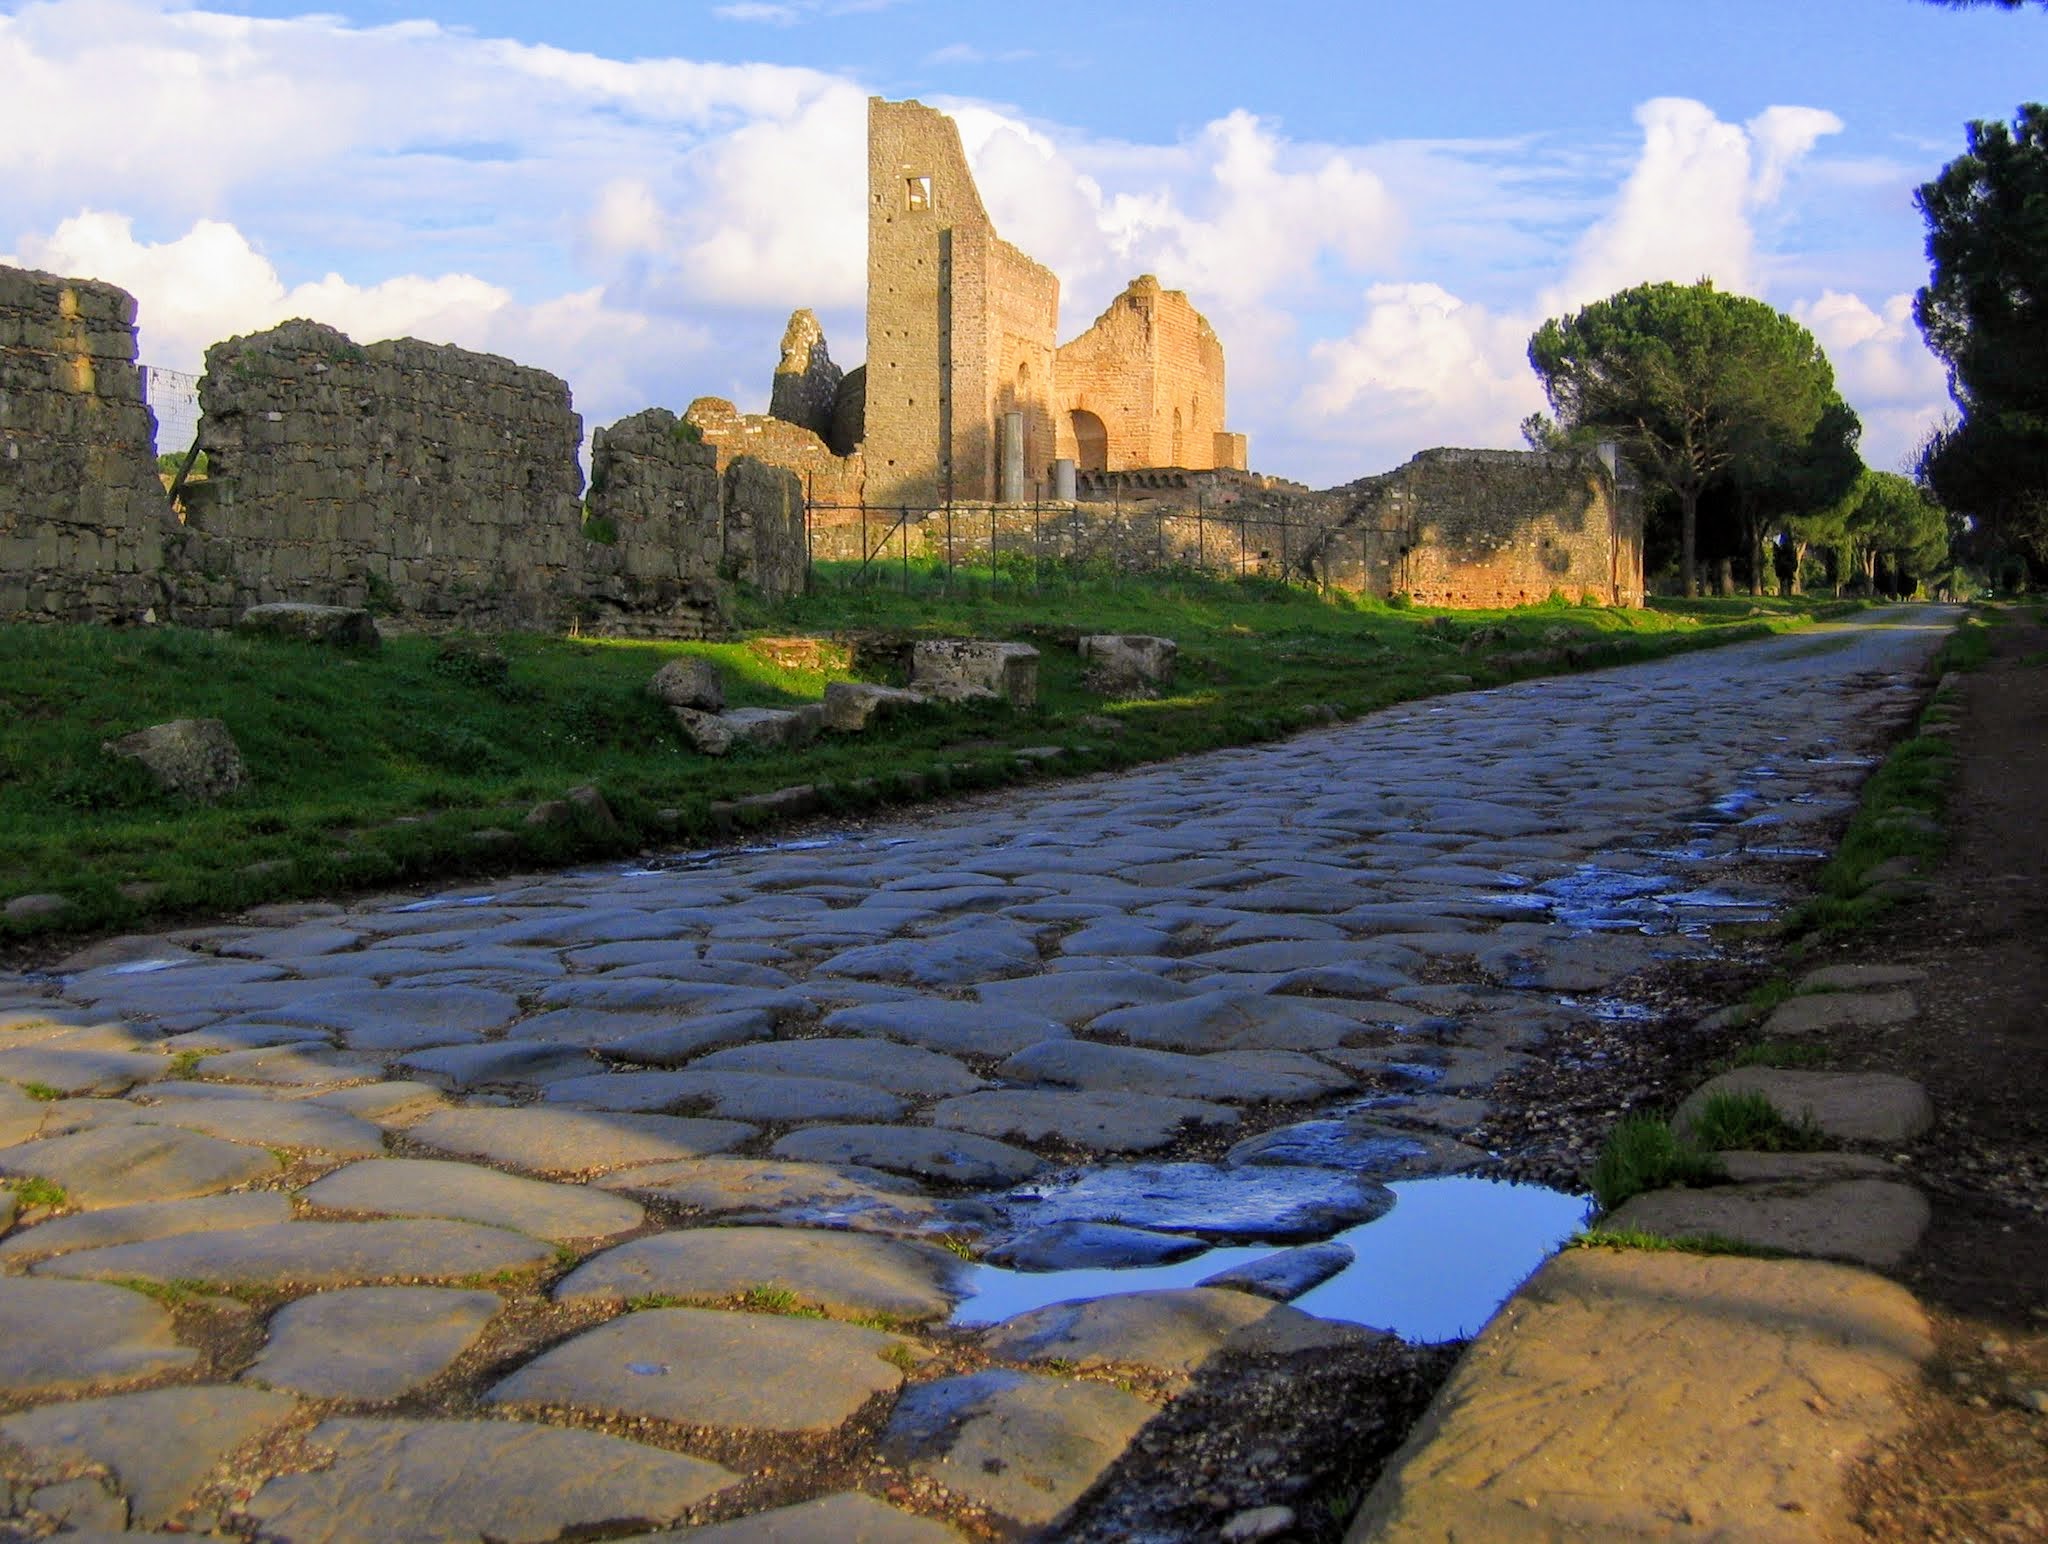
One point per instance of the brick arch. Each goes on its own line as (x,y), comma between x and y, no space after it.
(1091,441)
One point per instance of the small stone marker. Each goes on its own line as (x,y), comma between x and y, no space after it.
(954,669)
(1128,664)
(193,758)
(342,627)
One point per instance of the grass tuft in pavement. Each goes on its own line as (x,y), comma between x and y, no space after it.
(1643,1153)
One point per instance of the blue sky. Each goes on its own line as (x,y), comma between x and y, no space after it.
(1374,203)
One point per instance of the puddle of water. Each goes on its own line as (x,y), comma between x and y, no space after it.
(443,902)
(1434,1268)
(146,967)
(1613,1010)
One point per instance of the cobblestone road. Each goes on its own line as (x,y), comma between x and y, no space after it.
(394,1221)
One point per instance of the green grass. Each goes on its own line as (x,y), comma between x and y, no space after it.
(382,769)
(42,1092)
(1750,1123)
(35,1192)
(1657,1243)
(777,1300)
(1780,1053)
(1643,1153)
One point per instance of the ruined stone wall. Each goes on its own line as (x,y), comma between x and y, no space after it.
(84,524)
(961,325)
(652,525)
(439,484)
(1483,528)
(1151,372)
(731,434)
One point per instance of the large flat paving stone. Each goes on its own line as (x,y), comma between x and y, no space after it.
(1230,1021)
(1811,1364)
(401,1018)
(475,1482)
(160,1446)
(80,1072)
(953,959)
(293,1066)
(561,1142)
(1847,1106)
(847,1518)
(790,1191)
(147,1220)
(1254,1202)
(59,1337)
(431,1187)
(1358,1144)
(1026,1447)
(1819,1012)
(1103,1122)
(498,1063)
(701,1367)
(22,1117)
(1172,1332)
(941,1024)
(1078,1245)
(730,1095)
(123,1164)
(1075,996)
(1232,1078)
(369,1343)
(672,1045)
(899,1069)
(1874,1222)
(846,1275)
(954,1156)
(313,1255)
(285,1123)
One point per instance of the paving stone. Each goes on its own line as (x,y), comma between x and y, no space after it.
(161,1446)
(403,1018)
(665,995)
(293,1067)
(1822,1011)
(702,1367)
(1811,1367)
(119,1165)
(1870,1221)
(811,1194)
(1256,1202)
(475,1482)
(1079,1245)
(732,1095)
(1229,1021)
(1171,1333)
(1285,1276)
(265,1122)
(369,1343)
(847,1518)
(75,1072)
(989,953)
(425,1187)
(502,1063)
(20,1116)
(1104,1122)
(900,1069)
(1073,997)
(954,1156)
(847,1275)
(1360,1145)
(1025,1447)
(1089,1065)
(146,1220)
(940,1024)
(386,1104)
(1859,978)
(564,1142)
(61,1337)
(1847,1106)
(245,1036)
(312,1255)
(679,1043)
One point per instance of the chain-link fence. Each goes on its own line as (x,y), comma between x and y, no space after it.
(174,397)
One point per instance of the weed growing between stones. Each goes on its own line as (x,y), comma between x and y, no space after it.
(1658,1243)
(1644,1153)
(1779,1053)
(1732,1122)
(36,1192)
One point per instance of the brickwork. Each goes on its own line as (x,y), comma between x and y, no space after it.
(1150,372)
(84,523)
(962,327)
(731,434)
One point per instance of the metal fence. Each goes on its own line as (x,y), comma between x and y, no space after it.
(174,397)
(1029,547)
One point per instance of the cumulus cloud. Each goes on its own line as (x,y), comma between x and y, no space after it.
(1882,367)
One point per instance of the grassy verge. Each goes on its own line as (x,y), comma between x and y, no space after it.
(421,760)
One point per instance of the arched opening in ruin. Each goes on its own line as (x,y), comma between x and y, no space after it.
(1091,442)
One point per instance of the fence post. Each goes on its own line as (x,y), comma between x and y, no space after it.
(903,540)
(1035,585)
(865,550)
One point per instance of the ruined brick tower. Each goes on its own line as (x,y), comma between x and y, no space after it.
(1143,387)
(962,326)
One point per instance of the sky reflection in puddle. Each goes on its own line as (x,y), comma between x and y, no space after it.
(1434,1268)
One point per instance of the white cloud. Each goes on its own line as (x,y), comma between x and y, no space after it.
(1882,368)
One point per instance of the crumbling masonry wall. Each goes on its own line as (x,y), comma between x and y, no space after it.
(427,480)
(962,326)
(829,479)
(84,524)
(1143,387)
